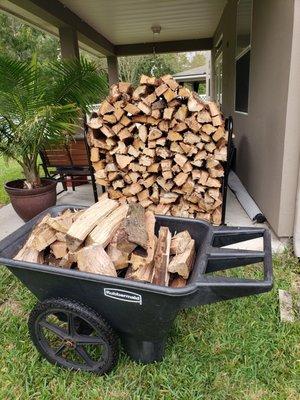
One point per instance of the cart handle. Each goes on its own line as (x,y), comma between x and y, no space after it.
(223,258)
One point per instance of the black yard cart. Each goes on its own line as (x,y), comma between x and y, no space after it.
(81,316)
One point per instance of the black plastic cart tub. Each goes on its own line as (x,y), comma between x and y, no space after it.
(141,314)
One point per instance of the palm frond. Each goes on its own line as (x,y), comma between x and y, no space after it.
(22,89)
(51,124)
(77,81)
(40,105)
(8,146)
(15,74)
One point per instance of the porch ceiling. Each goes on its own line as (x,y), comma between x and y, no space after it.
(123,27)
(130,21)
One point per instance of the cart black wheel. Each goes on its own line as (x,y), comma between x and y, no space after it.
(73,336)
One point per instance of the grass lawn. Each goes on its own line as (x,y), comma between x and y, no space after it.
(226,351)
(8,172)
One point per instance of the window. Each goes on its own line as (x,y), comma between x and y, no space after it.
(219,77)
(219,70)
(242,55)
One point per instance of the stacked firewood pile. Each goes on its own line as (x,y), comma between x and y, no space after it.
(161,146)
(112,239)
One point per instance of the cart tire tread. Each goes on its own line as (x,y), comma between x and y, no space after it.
(90,316)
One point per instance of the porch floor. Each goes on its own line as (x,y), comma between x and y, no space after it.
(235,216)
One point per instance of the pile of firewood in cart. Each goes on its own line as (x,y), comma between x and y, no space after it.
(160,146)
(112,239)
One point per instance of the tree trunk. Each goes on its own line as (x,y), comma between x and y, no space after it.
(32,178)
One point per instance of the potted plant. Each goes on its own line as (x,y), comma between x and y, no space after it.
(41,106)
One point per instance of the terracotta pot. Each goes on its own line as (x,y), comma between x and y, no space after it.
(27,203)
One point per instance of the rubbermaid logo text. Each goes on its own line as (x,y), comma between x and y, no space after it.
(123,295)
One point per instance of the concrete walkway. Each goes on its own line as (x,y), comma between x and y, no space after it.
(235,216)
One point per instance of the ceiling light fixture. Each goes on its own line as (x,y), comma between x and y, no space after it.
(156,31)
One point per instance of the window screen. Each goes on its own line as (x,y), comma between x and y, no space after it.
(243,26)
(243,53)
(242,82)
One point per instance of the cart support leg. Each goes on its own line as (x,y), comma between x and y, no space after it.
(143,351)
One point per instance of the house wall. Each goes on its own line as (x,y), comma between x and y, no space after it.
(290,170)
(267,147)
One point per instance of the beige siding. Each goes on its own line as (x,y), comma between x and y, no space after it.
(264,150)
(290,170)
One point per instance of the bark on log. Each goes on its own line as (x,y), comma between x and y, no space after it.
(161,257)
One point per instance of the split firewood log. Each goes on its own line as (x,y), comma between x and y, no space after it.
(40,238)
(107,227)
(135,225)
(119,258)
(95,260)
(141,265)
(182,263)
(88,220)
(48,233)
(30,255)
(143,273)
(178,282)
(63,222)
(180,242)
(59,249)
(163,133)
(123,240)
(120,248)
(162,257)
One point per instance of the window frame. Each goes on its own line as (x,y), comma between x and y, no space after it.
(240,55)
(219,77)
(218,56)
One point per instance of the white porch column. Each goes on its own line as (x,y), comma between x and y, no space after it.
(68,42)
(113,73)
